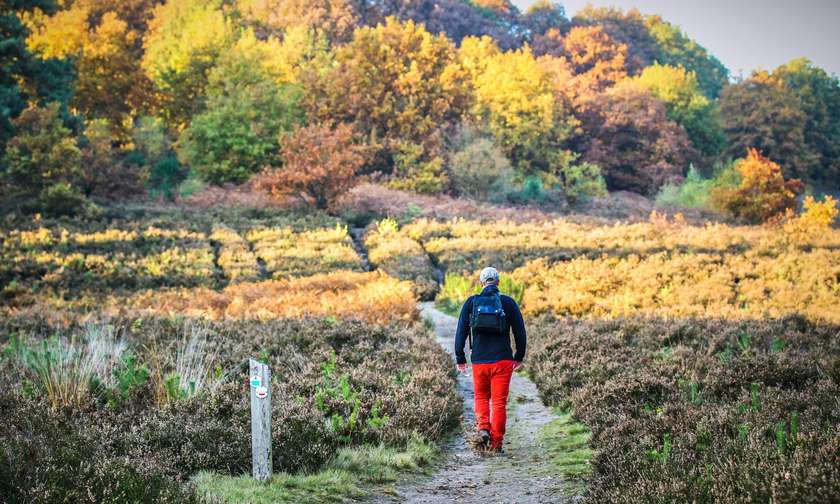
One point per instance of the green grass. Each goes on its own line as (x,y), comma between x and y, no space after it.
(566,443)
(352,474)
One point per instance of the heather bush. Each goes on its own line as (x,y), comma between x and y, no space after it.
(700,410)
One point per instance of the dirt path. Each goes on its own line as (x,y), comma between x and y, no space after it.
(522,475)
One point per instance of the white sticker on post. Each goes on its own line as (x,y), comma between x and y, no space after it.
(256,381)
(262,392)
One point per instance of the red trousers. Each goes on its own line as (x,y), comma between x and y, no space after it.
(490,385)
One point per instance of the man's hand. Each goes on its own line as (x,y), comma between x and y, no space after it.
(517,365)
(462,368)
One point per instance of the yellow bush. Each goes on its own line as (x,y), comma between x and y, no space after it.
(374,297)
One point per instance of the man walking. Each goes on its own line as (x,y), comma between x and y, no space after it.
(486,320)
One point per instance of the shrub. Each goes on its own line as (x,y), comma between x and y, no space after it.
(693,192)
(165,177)
(531,191)
(61,199)
(480,168)
(819,215)
(319,164)
(414,170)
(763,192)
(816,217)
(582,182)
(41,155)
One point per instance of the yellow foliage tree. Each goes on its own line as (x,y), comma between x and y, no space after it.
(104,41)
(185,40)
(514,97)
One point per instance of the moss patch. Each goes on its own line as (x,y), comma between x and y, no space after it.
(566,445)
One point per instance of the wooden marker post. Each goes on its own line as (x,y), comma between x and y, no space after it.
(260,380)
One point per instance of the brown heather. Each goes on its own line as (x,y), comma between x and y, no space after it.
(132,450)
(699,410)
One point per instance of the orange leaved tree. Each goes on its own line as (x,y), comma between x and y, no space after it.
(319,164)
(763,192)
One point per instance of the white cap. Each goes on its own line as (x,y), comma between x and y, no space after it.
(489,273)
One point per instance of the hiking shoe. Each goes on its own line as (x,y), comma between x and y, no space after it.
(484,437)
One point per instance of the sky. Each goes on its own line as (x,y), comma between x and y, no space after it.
(746,34)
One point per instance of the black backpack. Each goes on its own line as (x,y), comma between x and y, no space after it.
(487,315)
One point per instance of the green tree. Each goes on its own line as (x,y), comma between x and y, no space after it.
(819,94)
(763,113)
(184,42)
(237,134)
(678,50)
(686,104)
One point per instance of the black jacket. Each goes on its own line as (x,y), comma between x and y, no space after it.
(491,347)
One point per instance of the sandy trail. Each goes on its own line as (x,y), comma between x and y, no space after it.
(522,475)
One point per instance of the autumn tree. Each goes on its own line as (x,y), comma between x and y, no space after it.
(184,42)
(333,19)
(628,28)
(763,192)
(514,99)
(627,133)
(396,84)
(763,113)
(457,19)
(596,60)
(685,103)
(107,51)
(319,164)
(819,95)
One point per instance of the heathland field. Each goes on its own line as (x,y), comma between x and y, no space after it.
(705,359)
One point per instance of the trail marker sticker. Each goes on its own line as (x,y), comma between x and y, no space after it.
(262,392)
(256,381)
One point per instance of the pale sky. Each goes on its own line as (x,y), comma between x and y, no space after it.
(746,34)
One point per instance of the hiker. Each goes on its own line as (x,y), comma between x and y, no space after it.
(486,320)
